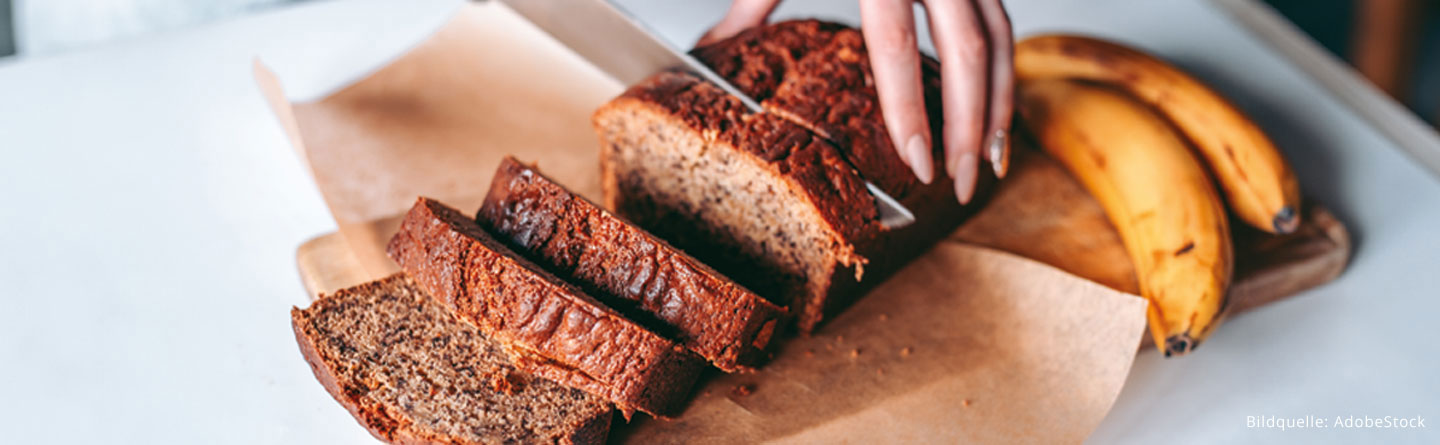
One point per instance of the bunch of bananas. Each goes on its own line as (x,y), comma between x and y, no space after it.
(1139,134)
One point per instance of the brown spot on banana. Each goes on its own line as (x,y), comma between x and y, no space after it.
(1185,249)
(1230,153)
(1142,216)
(1097,158)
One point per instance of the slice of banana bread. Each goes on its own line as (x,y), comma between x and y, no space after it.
(775,200)
(411,372)
(579,241)
(552,328)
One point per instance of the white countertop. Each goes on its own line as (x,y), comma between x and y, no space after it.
(151,209)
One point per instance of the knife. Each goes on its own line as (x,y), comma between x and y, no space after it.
(620,45)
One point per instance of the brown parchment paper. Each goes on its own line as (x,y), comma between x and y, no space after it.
(437,121)
(965,344)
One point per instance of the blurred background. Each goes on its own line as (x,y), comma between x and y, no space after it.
(1394,43)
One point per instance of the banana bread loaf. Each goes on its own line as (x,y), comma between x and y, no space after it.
(775,200)
(411,372)
(551,328)
(579,241)
(817,74)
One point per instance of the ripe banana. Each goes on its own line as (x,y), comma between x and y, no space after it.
(1258,183)
(1155,192)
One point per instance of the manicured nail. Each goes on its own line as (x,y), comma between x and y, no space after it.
(999,153)
(964,170)
(917,154)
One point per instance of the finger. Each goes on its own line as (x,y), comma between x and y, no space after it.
(743,14)
(889,30)
(961,44)
(1002,84)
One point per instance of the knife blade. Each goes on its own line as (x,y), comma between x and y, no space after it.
(625,48)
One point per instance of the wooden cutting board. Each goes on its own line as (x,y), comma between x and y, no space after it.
(1038,212)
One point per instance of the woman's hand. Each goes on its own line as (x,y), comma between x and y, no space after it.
(975,46)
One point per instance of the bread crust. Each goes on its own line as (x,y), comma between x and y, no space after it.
(370,416)
(812,166)
(713,316)
(813,78)
(551,328)
(817,74)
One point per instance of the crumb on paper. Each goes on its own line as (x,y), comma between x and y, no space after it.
(905,351)
(965,402)
(742,390)
(854,352)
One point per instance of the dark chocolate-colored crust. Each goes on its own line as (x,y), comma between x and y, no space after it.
(552,329)
(817,74)
(377,418)
(609,257)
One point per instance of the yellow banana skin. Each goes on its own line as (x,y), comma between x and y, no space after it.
(1154,191)
(1259,185)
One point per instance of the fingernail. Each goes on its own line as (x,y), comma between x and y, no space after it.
(917,154)
(964,170)
(999,153)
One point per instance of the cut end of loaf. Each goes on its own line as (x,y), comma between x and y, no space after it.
(734,209)
(675,148)
(409,371)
